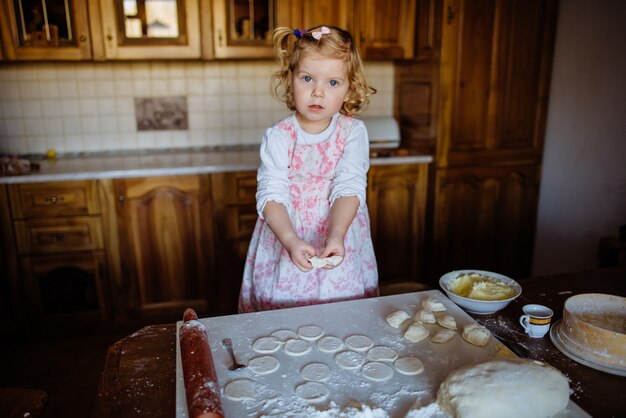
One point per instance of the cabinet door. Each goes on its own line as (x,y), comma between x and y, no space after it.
(396,199)
(151,29)
(495,68)
(310,13)
(243,28)
(166,254)
(66,291)
(385,28)
(234,218)
(50,30)
(485,218)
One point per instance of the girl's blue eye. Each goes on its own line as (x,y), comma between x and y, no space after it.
(307,78)
(333,83)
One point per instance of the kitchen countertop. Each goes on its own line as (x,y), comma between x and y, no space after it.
(161,163)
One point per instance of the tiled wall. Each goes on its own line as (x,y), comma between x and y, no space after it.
(87,107)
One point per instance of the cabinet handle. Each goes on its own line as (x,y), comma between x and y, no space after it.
(121,198)
(59,236)
(450,15)
(82,38)
(219,38)
(52,199)
(109,36)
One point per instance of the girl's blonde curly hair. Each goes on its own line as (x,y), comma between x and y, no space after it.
(337,44)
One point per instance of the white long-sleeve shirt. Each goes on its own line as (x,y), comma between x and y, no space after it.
(350,177)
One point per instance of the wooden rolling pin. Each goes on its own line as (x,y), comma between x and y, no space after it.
(202,389)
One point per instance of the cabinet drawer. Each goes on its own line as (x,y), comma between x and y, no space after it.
(54,199)
(235,188)
(59,235)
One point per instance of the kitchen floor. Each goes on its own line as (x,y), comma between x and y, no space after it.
(67,369)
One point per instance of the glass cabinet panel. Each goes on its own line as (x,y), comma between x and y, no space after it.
(147,29)
(46,29)
(148,20)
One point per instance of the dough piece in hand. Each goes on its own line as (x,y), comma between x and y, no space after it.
(446,321)
(425,316)
(376,371)
(263,364)
(396,319)
(310,332)
(359,342)
(318,372)
(266,345)
(297,347)
(433,304)
(312,391)
(240,390)
(329,344)
(476,334)
(409,365)
(443,336)
(328,261)
(512,388)
(416,332)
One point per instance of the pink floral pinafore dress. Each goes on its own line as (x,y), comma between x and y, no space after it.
(271,280)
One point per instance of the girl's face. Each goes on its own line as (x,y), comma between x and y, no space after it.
(320,86)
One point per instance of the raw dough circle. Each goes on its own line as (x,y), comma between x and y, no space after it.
(310,332)
(318,372)
(359,342)
(284,335)
(240,390)
(264,364)
(349,360)
(382,353)
(512,388)
(409,365)
(312,391)
(266,345)
(297,347)
(330,344)
(376,371)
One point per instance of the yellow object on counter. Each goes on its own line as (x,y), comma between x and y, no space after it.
(476,286)
(51,154)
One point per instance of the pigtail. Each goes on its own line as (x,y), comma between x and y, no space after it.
(281,79)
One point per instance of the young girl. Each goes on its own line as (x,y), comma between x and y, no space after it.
(312,179)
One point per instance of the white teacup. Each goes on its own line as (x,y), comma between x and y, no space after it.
(536,320)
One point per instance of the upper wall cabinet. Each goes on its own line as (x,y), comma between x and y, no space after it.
(45,30)
(151,29)
(306,14)
(385,29)
(243,28)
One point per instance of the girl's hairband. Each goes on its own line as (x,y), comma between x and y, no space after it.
(314,35)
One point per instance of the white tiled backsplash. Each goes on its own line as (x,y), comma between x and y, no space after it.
(87,107)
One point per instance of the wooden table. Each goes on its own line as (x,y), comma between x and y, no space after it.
(139,373)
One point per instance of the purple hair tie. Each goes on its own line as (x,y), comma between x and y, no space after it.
(299,33)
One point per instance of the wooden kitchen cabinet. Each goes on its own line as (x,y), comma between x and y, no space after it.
(396,199)
(306,14)
(485,219)
(490,89)
(56,262)
(234,218)
(150,30)
(385,29)
(58,31)
(164,233)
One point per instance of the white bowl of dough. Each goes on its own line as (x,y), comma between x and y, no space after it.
(480,291)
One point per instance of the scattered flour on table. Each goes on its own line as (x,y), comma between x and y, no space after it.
(334,411)
(312,391)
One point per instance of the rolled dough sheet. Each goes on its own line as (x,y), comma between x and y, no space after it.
(276,392)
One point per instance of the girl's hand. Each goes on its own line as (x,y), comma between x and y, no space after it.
(334,246)
(299,252)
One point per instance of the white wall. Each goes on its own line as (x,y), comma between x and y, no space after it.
(583,185)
